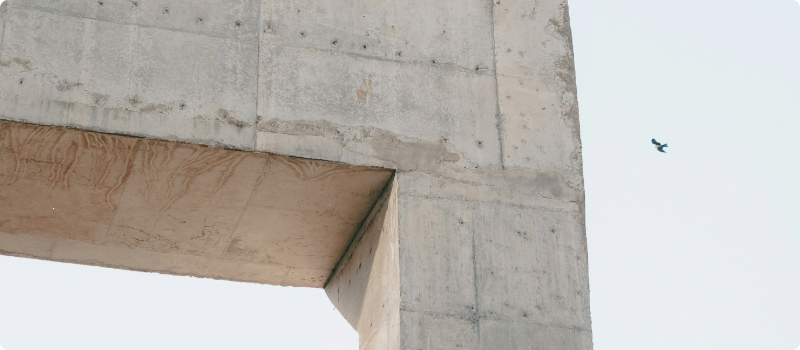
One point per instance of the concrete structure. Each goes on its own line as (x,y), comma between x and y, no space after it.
(420,160)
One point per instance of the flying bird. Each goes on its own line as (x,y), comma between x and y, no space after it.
(659,146)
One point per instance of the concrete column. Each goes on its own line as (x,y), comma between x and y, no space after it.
(443,264)
(487,257)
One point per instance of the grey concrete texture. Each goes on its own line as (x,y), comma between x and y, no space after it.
(433,268)
(285,87)
(474,103)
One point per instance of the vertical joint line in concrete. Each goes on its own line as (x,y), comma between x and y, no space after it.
(259,31)
(475,285)
(3,28)
(264,170)
(498,117)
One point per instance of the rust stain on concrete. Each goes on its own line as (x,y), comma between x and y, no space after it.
(365,90)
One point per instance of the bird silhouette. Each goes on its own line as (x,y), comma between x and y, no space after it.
(659,146)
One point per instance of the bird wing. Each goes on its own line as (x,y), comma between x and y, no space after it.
(661,149)
(656,142)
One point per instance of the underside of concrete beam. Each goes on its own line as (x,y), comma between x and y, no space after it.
(140,204)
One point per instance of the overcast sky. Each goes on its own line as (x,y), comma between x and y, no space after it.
(695,249)
(698,248)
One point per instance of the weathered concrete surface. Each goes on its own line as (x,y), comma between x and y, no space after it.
(480,267)
(118,201)
(479,242)
(59,68)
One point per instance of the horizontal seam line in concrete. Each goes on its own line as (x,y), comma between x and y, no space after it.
(464,199)
(523,77)
(441,66)
(65,14)
(447,178)
(460,181)
(472,318)
(523,321)
(378,35)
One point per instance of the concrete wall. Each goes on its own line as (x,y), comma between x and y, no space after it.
(472,101)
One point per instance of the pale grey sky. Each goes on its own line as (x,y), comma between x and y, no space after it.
(698,248)
(695,249)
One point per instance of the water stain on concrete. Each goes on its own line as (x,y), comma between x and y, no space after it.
(18,61)
(66,86)
(407,153)
(565,69)
(71,180)
(155,108)
(224,116)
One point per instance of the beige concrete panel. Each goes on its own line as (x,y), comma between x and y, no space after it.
(291,237)
(531,265)
(184,198)
(206,205)
(417,117)
(306,277)
(24,245)
(438,331)
(436,255)
(176,264)
(58,182)
(521,335)
(310,230)
(451,33)
(237,19)
(118,78)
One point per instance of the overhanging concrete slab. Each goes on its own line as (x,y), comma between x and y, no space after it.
(143,204)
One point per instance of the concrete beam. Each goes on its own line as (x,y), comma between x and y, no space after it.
(141,204)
